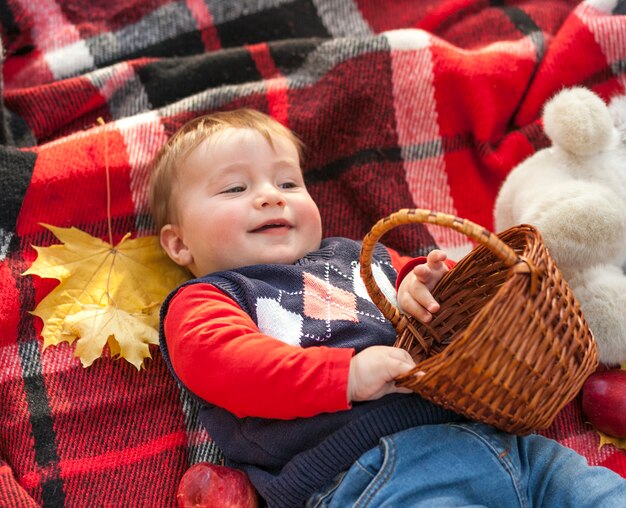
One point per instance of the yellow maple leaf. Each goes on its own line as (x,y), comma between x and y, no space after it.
(106,293)
(128,335)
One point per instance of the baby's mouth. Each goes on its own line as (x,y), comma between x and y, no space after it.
(271,226)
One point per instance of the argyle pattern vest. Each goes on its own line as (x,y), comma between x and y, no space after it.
(319,300)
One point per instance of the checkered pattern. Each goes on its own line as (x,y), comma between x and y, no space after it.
(425,104)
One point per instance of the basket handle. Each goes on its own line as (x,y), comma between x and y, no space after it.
(410,215)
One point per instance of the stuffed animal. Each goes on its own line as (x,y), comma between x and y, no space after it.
(575,193)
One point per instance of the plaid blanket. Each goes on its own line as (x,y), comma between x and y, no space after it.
(400,104)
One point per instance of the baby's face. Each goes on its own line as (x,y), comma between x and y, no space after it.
(241,202)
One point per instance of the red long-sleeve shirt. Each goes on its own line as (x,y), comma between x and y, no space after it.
(220,354)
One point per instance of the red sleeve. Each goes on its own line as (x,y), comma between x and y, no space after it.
(397,259)
(404,264)
(219,353)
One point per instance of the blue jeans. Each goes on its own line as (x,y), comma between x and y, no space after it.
(471,465)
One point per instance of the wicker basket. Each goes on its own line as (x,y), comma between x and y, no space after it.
(509,345)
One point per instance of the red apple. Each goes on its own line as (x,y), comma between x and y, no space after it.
(604,401)
(207,485)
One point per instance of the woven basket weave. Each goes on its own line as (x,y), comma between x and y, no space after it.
(509,345)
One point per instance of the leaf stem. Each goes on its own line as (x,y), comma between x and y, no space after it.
(108,177)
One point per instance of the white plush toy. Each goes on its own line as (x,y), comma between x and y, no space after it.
(575,193)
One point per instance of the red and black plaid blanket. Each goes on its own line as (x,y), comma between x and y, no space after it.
(400,104)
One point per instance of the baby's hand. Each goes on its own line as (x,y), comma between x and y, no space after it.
(414,296)
(373,370)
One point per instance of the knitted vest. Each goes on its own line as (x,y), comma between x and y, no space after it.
(320,300)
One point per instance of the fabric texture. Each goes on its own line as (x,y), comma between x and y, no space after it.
(426,104)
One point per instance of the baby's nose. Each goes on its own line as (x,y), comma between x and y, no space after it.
(270,196)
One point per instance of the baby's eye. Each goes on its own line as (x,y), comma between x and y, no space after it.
(288,185)
(234,189)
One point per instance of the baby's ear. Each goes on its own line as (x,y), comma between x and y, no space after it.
(173,244)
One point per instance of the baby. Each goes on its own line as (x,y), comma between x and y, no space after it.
(292,362)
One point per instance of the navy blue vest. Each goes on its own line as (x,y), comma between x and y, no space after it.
(319,300)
